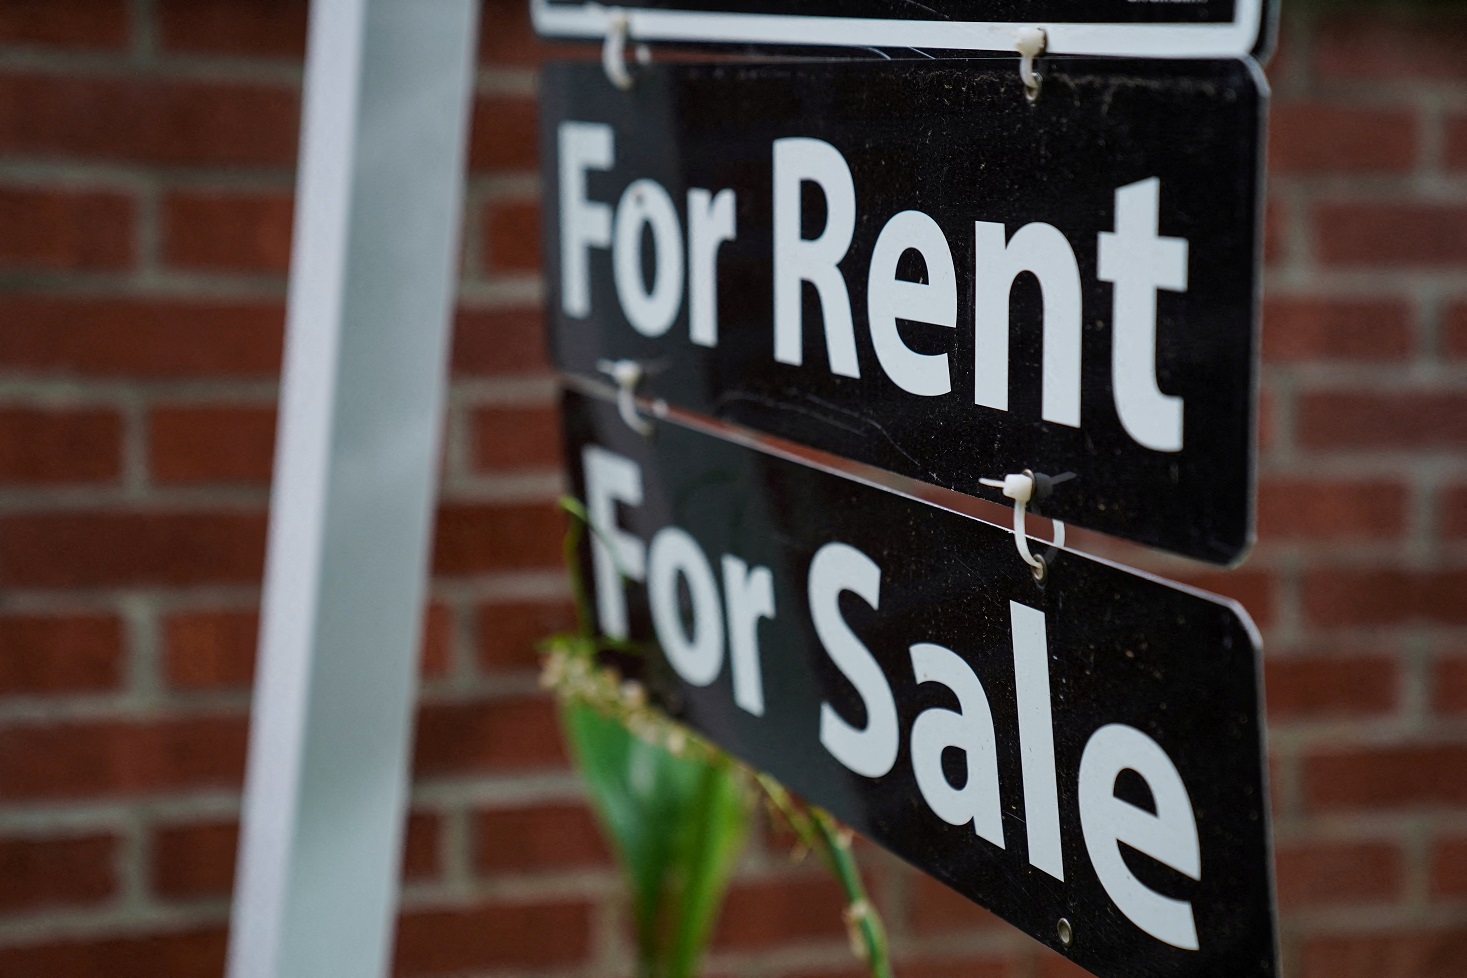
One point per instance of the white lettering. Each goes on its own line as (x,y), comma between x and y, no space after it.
(1139,263)
(871,751)
(710,223)
(889,298)
(583,224)
(1036,738)
(814,260)
(697,658)
(748,597)
(650,311)
(1043,251)
(1169,836)
(612,479)
(969,729)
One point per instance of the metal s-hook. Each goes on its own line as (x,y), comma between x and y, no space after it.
(627,375)
(1023,488)
(1030,43)
(614,50)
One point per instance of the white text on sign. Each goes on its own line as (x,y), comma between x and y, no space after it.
(726,602)
(1134,258)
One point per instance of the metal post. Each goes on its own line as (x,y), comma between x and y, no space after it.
(373,277)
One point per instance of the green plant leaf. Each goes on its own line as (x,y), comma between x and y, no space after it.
(677,825)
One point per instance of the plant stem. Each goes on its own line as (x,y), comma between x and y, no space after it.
(862,918)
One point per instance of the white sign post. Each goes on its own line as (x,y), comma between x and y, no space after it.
(373,279)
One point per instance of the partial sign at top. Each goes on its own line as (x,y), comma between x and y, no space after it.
(908,264)
(1129,28)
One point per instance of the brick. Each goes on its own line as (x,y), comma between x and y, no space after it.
(516,438)
(1381,48)
(49,446)
(482,736)
(197,859)
(274,29)
(1449,867)
(132,549)
(140,119)
(497,342)
(1454,142)
(492,936)
(1332,685)
(1052,964)
(50,872)
(227,231)
(89,758)
(512,236)
(518,840)
(1278,218)
(140,338)
(507,39)
(767,913)
(215,649)
(508,632)
(938,909)
(1454,330)
(1339,598)
(1420,419)
(210,649)
(1453,512)
(75,654)
(1319,510)
(1321,137)
(1386,778)
(84,23)
(211,443)
(1255,590)
(503,135)
(66,230)
(435,656)
(971,966)
(1268,420)
(1338,874)
(1416,952)
(1449,686)
(179,954)
(478,538)
(1307,329)
(1448,862)
(1391,235)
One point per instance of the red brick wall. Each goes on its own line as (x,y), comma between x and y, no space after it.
(146,153)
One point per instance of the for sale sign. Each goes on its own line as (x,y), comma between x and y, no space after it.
(1082,755)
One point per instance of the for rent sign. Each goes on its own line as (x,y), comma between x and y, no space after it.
(911,265)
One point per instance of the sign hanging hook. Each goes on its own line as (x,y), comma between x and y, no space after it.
(627,375)
(1030,43)
(614,50)
(1023,488)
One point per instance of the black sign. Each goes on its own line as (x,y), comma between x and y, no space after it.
(1136,28)
(910,265)
(1084,750)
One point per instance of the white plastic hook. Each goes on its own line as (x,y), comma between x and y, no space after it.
(627,375)
(614,50)
(1019,486)
(1030,43)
